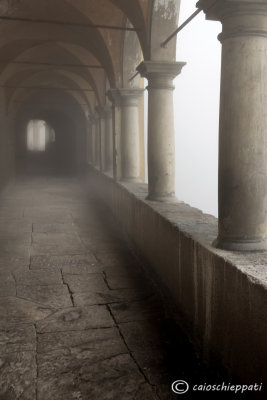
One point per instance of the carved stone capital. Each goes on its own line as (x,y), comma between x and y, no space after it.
(160,75)
(239,17)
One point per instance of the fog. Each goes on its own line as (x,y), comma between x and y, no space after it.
(196,106)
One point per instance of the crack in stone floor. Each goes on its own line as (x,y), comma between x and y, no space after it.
(78,317)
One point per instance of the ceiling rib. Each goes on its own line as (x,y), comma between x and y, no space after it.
(51,64)
(65,23)
(46,88)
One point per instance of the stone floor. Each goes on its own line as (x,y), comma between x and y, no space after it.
(78,317)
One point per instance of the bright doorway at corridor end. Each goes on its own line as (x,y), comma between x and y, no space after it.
(39,136)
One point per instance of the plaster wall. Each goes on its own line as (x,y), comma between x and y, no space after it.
(219,296)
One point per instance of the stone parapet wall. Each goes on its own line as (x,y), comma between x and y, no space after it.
(220,295)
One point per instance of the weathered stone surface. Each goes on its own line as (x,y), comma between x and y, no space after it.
(120,282)
(55,296)
(85,282)
(81,352)
(55,261)
(109,296)
(93,344)
(140,335)
(113,378)
(9,225)
(19,311)
(76,319)
(14,238)
(17,376)
(11,262)
(54,227)
(7,285)
(32,278)
(79,269)
(11,212)
(17,338)
(132,270)
(56,243)
(109,258)
(137,310)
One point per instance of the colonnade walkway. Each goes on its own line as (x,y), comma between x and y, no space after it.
(79,318)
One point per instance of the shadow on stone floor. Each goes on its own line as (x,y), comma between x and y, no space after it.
(79,318)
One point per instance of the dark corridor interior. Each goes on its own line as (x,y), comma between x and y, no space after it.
(66,154)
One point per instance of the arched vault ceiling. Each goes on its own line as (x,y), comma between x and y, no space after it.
(34,79)
(56,53)
(90,44)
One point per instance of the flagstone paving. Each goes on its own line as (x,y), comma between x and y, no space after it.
(79,318)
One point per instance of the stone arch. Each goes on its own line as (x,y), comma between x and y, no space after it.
(131,58)
(164,15)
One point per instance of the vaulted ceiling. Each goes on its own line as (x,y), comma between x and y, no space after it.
(77,47)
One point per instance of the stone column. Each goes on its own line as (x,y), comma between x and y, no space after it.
(130,157)
(102,137)
(114,97)
(97,140)
(243,123)
(89,142)
(93,150)
(161,149)
(108,139)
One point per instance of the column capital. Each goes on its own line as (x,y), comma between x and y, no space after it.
(148,68)
(107,111)
(238,15)
(130,96)
(161,73)
(114,96)
(100,111)
(92,119)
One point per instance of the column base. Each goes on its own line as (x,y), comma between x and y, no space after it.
(108,172)
(251,245)
(162,199)
(131,180)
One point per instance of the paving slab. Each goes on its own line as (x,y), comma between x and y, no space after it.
(42,227)
(17,338)
(93,344)
(76,319)
(56,243)
(62,261)
(41,277)
(10,262)
(85,282)
(132,270)
(109,296)
(150,308)
(54,296)
(140,335)
(20,311)
(79,269)
(109,258)
(18,376)
(121,282)
(7,285)
(114,378)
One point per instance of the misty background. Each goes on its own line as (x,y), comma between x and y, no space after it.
(196,110)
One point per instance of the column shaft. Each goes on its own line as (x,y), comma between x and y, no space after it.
(114,97)
(243,124)
(97,141)
(108,140)
(161,147)
(130,147)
